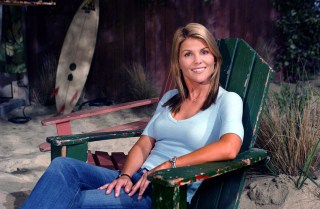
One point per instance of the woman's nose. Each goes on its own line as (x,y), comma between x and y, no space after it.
(197,59)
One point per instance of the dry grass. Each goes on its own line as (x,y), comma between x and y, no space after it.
(267,49)
(47,80)
(139,84)
(290,128)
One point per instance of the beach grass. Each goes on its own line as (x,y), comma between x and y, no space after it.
(139,83)
(290,127)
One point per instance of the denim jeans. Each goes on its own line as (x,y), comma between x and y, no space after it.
(70,183)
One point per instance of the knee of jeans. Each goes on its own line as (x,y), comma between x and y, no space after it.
(60,162)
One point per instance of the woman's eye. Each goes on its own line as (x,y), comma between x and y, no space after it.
(188,54)
(204,52)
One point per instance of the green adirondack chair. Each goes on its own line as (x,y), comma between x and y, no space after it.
(243,71)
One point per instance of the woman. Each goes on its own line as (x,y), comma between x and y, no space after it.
(196,123)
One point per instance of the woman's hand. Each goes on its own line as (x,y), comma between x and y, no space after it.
(136,156)
(141,185)
(117,184)
(143,182)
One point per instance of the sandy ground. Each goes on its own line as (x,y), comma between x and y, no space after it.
(21,163)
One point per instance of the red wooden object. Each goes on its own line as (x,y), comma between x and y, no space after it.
(114,161)
(63,122)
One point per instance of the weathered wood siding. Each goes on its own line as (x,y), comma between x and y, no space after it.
(131,31)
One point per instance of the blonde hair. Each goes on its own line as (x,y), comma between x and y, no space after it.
(197,31)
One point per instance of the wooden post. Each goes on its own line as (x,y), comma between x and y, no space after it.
(63,128)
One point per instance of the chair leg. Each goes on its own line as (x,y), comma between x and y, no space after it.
(169,197)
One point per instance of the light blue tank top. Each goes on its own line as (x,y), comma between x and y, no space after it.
(179,137)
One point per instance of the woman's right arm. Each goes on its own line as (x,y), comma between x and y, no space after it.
(138,154)
(136,157)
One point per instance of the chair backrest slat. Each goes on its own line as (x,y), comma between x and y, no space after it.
(228,50)
(254,100)
(245,73)
(241,69)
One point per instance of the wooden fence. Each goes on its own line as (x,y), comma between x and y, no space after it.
(140,31)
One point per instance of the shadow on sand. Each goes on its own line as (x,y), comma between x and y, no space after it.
(16,199)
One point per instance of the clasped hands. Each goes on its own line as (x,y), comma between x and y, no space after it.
(126,183)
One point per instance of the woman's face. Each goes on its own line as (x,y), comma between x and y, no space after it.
(196,61)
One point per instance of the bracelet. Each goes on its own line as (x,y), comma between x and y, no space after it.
(124,174)
(173,162)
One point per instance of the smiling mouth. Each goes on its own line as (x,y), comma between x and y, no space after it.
(198,70)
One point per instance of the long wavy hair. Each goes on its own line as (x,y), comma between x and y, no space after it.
(197,31)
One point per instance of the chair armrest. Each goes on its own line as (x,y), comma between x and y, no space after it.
(98,111)
(185,175)
(90,137)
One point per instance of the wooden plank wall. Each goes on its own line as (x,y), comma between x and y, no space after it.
(28,2)
(132,31)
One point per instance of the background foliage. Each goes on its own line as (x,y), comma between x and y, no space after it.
(12,59)
(299,40)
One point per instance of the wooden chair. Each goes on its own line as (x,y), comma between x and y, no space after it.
(243,72)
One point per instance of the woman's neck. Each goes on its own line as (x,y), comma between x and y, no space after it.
(198,93)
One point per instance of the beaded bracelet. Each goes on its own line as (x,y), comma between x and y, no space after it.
(124,174)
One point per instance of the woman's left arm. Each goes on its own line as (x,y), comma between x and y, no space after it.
(226,148)
(231,133)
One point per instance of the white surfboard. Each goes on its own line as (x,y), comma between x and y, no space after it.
(76,56)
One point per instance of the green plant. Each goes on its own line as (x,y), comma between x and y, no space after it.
(298,27)
(12,50)
(290,127)
(89,5)
(139,85)
(304,174)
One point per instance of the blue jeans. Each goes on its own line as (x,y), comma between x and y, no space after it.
(70,183)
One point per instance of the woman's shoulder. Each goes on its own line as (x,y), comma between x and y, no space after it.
(169,94)
(225,95)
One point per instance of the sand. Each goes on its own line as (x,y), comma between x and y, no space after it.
(21,162)
(269,192)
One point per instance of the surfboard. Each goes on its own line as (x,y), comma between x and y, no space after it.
(76,56)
